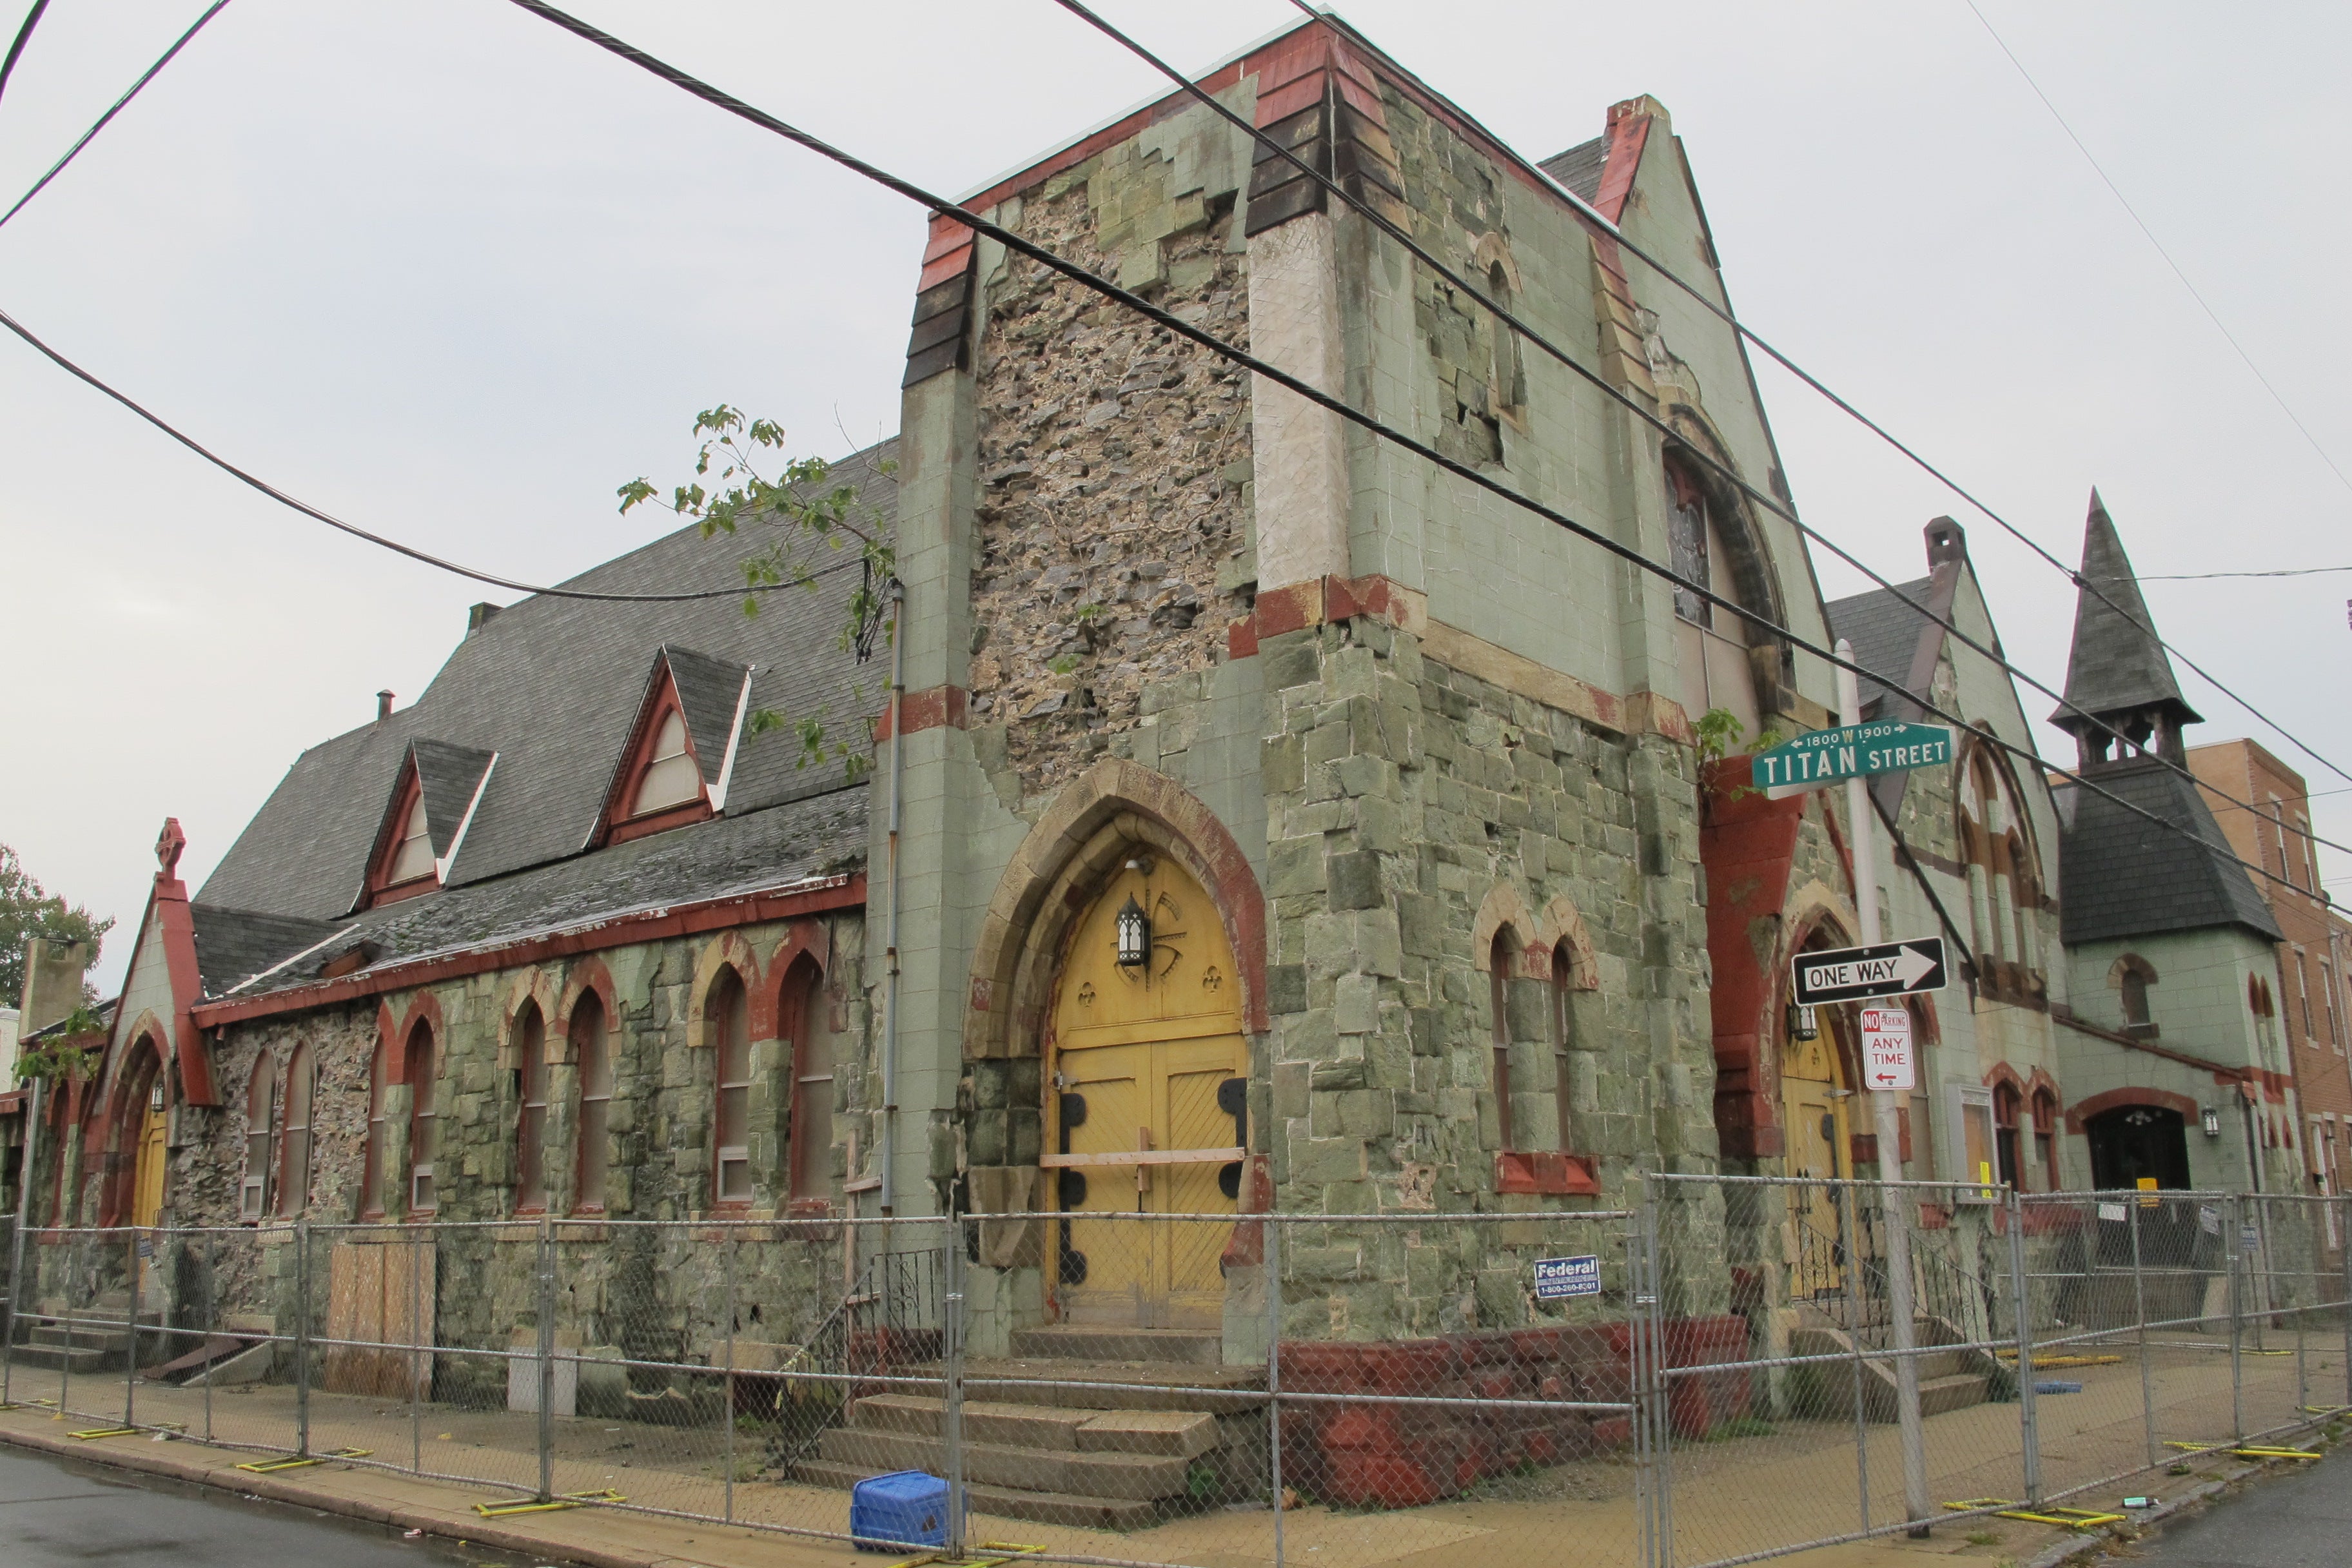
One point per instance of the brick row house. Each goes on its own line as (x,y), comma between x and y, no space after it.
(1280,821)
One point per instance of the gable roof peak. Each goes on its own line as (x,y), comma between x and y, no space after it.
(2116,670)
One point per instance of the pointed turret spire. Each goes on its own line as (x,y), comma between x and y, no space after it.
(2117,670)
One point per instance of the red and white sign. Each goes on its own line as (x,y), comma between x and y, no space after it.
(1887,1060)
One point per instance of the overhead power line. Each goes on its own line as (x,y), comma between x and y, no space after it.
(1379,219)
(24,36)
(394,545)
(1585,210)
(2150,235)
(2209,576)
(719,99)
(132,91)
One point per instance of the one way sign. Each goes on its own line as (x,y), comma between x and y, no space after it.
(1853,973)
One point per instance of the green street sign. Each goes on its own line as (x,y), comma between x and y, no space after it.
(1852,751)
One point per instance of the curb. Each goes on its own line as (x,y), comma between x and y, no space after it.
(277,1490)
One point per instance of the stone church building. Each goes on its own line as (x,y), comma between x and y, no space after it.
(1266,820)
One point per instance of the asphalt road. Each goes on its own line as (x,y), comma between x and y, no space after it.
(56,1514)
(2297,1521)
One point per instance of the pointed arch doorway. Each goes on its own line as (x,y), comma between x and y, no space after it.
(1146,1102)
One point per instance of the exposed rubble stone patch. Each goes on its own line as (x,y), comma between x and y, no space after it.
(1115,465)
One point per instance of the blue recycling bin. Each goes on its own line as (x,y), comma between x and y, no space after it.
(905,1508)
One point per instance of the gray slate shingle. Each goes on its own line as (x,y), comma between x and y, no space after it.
(2123,876)
(1884,626)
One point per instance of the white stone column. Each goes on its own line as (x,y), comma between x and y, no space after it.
(1298,459)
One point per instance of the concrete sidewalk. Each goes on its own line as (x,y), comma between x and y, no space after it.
(1738,1495)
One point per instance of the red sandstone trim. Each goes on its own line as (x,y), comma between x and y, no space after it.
(1552,1175)
(619,930)
(927,710)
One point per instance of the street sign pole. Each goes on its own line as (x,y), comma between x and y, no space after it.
(1862,829)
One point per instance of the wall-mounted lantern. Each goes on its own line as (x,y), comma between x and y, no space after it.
(1803,1023)
(1134,935)
(2211,1118)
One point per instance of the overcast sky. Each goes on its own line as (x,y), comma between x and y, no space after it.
(454,275)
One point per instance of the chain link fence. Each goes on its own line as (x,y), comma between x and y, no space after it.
(1734,1369)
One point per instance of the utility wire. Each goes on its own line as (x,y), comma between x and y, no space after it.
(24,36)
(1596,219)
(397,548)
(2209,576)
(719,99)
(1529,334)
(2150,235)
(149,75)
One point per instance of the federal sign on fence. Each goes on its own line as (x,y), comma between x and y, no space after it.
(1849,752)
(1556,1278)
(1858,973)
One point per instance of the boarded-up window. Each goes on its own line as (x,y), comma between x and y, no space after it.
(260,1132)
(422,1121)
(593,1051)
(729,1017)
(530,1122)
(379,1296)
(813,1062)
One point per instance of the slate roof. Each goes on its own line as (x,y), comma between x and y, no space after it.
(1884,626)
(232,946)
(554,686)
(1579,168)
(2117,665)
(2124,877)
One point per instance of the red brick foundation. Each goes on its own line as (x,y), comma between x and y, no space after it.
(1399,1456)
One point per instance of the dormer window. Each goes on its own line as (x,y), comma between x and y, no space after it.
(672,778)
(680,752)
(433,803)
(412,857)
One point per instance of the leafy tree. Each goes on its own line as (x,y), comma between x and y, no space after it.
(802,520)
(28,910)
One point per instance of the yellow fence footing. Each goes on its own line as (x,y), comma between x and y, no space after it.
(532,1505)
(89,1434)
(941,1560)
(2066,1518)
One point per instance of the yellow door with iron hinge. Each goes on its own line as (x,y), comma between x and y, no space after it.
(1813,1101)
(1146,1108)
(147,1174)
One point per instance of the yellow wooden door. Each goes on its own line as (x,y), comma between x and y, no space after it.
(1813,1112)
(147,1175)
(1139,1111)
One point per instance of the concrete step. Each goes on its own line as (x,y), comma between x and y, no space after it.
(1126,1478)
(1038,1507)
(1170,1434)
(1071,1342)
(1958,1391)
(57,1336)
(1139,1386)
(55,1358)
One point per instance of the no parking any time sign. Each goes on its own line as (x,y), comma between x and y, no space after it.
(1886,1059)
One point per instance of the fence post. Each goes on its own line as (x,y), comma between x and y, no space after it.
(2232,1218)
(131,1337)
(16,1281)
(727,1394)
(546,1358)
(302,1339)
(416,1390)
(2029,1426)
(2343,1309)
(951,1411)
(1848,1274)
(2139,1317)
(1274,1369)
(1655,1397)
(73,1273)
(209,1322)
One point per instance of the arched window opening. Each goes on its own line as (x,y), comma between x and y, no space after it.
(1563,1040)
(728,1015)
(1498,989)
(294,1161)
(422,1121)
(531,1117)
(2005,1106)
(2046,1138)
(1511,374)
(1712,643)
(260,1133)
(2132,984)
(813,1046)
(2004,885)
(593,1051)
(372,1168)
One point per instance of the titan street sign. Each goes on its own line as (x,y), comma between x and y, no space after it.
(1849,751)
(1857,974)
